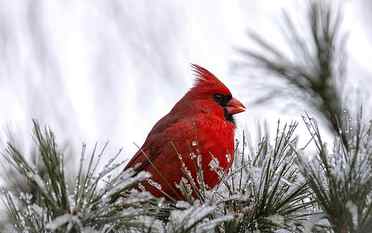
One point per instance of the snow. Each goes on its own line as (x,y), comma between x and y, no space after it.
(137,198)
(199,214)
(154,184)
(184,186)
(39,181)
(214,164)
(194,216)
(228,157)
(353,209)
(59,221)
(210,225)
(276,219)
(182,204)
(126,181)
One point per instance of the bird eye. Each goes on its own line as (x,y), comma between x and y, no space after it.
(218,97)
(222,99)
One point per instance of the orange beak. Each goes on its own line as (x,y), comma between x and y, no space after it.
(234,106)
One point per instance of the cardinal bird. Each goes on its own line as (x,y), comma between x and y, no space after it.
(196,135)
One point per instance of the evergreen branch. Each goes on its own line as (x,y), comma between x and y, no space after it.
(314,69)
(87,205)
(341,180)
(268,194)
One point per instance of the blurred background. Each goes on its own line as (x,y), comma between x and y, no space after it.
(97,71)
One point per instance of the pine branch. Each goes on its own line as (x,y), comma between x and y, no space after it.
(100,200)
(341,179)
(314,69)
(264,191)
(86,205)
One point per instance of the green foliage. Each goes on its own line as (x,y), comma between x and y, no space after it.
(341,179)
(273,186)
(264,190)
(313,69)
(54,206)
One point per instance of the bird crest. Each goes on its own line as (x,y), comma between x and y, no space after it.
(205,79)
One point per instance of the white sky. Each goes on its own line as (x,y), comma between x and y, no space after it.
(108,70)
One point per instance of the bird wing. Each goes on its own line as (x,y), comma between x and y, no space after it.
(168,130)
(175,137)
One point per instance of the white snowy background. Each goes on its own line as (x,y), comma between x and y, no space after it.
(97,71)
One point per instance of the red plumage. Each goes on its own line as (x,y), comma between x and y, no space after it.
(200,123)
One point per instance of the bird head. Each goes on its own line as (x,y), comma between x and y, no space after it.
(209,89)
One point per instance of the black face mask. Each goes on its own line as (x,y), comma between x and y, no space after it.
(223,100)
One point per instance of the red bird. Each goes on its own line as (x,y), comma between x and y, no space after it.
(197,134)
